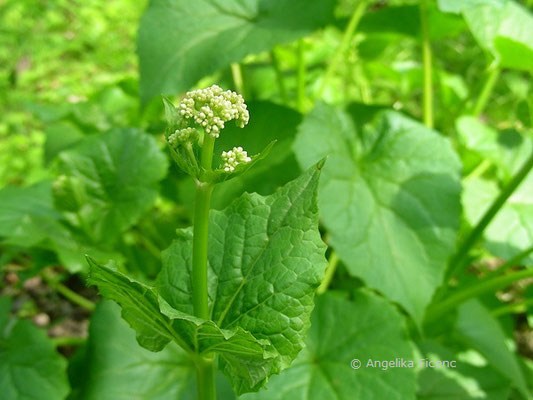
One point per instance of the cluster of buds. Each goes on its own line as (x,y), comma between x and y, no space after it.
(180,136)
(211,108)
(234,157)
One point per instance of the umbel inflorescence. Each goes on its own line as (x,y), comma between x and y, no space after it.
(210,108)
(205,111)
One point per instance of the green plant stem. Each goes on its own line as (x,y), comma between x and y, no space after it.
(330,273)
(208,146)
(510,263)
(147,244)
(205,372)
(238,81)
(460,260)
(484,286)
(515,308)
(479,170)
(486,92)
(279,77)
(204,365)
(67,293)
(427,65)
(200,232)
(67,341)
(343,47)
(300,77)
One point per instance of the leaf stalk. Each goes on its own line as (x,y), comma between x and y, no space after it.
(427,65)
(486,92)
(460,260)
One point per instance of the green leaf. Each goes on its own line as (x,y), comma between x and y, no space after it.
(120,170)
(30,367)
(367,328)
(389,199)
(113,364)
(60,136)
(511,231)
(181,41)
(28,219)
(481,331)
(266,259)
(27,216)
(468,380)
(405,20)
(507,149)
(456,6)
(242,357)
(506,30)
(140,306)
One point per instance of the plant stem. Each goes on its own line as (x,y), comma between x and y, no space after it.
(200,232)
(204,365)
(279,77)
(484,286)
(330,273)
(479,170)
(300,90)
(67,293)
(147,244)
(459,261)
(199,251)
(205,373)
(488,87)
(511,263)
(426,59)
(238,81)
(63,341)
(345,42)
(515,308)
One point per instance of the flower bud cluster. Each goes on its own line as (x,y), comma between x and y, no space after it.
(234,157)
(181,136)
(212,107)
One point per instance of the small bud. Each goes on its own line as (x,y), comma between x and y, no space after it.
(182,136)
(234,157)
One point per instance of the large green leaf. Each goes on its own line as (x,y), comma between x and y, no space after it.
(507,149)
(113,362)
(60,136)
(389,198)
(157,323)
(505,29)
(27,215)
(511,231)
(266,260)
(30,367)
(479,330)
(119,171)
(405,20)
(366,328)
(468,380)
(181,41)
(456,6)
(28,219)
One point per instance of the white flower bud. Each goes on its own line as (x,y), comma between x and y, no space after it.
(234,157)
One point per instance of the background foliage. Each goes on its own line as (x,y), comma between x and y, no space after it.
(420,267)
